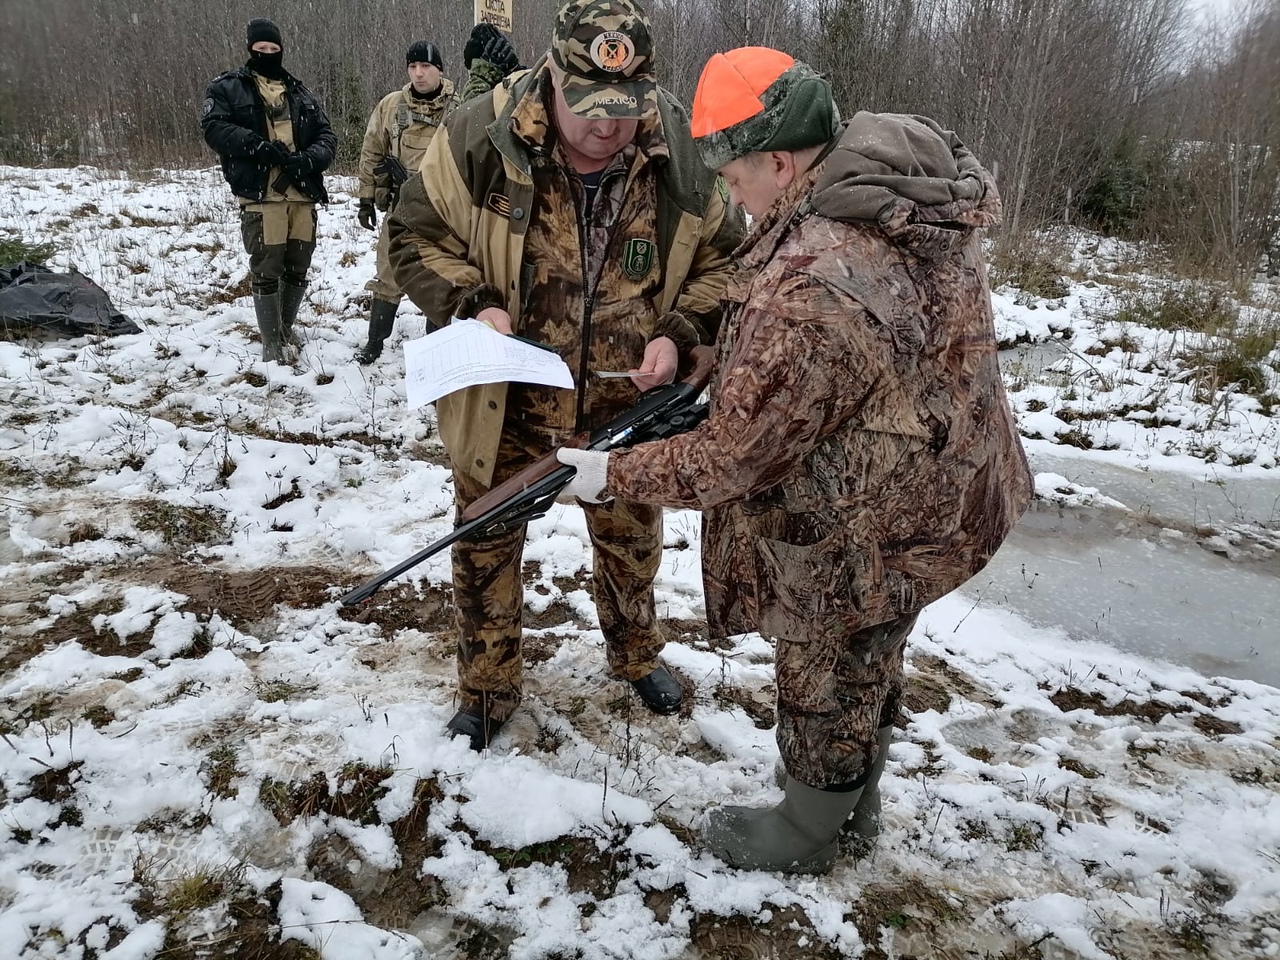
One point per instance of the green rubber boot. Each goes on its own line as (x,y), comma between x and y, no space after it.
(290,302)
(382,319)
(863,828)
(797,836)
(267,308)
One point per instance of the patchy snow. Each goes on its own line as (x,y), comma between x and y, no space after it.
(181,697)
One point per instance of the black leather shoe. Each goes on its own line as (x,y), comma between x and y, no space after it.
(480,730)
(660,691)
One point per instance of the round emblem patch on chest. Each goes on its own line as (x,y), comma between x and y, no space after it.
(613,51)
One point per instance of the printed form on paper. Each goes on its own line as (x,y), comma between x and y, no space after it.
(467,353)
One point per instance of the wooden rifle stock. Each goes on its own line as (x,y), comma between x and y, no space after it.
(660,412)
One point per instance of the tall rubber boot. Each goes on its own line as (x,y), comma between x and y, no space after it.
(863,828)
(797,836)
(267,307)
(382,320)
(290,301)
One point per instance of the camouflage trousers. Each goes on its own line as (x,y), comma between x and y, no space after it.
(834,693)
(280,238)
(488,588)
(383,286)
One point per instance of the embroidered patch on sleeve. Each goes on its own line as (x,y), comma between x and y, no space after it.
(499,204)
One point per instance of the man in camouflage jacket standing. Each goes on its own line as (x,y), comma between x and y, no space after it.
(860,459)
(401,126)
(571,207)
(275,142)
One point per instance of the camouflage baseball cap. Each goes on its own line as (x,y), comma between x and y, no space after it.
(605,49)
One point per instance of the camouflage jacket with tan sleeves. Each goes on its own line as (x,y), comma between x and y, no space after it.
(493,219)
(861,459)
(400,126)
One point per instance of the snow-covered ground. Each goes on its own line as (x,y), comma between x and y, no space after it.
(200,745)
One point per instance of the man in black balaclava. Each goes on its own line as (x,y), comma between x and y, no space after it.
(274,141)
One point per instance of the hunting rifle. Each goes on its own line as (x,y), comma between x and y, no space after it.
(661,412)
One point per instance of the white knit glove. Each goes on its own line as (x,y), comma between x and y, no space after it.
(589,482)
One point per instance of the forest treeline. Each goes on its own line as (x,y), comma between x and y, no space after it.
(1135,118)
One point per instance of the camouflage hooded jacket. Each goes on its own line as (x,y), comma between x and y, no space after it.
(861,459)
(492,221)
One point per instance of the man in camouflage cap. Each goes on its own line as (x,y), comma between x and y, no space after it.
(570,206)
(860,459)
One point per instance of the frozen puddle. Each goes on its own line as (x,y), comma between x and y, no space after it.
(1152,582)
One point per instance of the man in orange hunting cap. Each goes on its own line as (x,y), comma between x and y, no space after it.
(860,460)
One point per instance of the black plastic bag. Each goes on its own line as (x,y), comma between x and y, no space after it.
(38,302)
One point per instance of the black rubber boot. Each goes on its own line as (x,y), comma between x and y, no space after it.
(290,301)
(267,307)
(475,726)
(382,319)
(796,836)
(660,691)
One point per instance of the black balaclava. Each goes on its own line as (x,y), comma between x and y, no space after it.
(269,65)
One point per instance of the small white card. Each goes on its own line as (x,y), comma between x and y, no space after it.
(467,353)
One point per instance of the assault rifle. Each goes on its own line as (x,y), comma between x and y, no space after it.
(392,168)
(395,171)
(659,413)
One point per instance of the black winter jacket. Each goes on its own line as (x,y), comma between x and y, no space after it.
(234,120)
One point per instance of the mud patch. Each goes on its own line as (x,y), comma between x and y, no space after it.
(542,647)
(951,679)
(1215,726)
(787,934)
(388,899)
(79,627)
(757,704)
(556,615)
(252,931)
(908,908)
(248,596)
(1068,699)
(355,795)
(405,608)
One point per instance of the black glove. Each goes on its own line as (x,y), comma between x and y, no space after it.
(297,165)
(499,51)
(481,34)
(273,153)
(367,216)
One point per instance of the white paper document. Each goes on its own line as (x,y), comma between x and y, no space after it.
(467,353)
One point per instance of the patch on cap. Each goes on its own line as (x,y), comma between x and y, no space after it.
(613,52)
(605,50)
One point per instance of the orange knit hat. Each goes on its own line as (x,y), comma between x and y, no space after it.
(756,99)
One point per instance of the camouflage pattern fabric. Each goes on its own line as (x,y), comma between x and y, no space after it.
(476,183)
(861,459)
(605,49)
(834,693)
(583,295)
(488,589)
